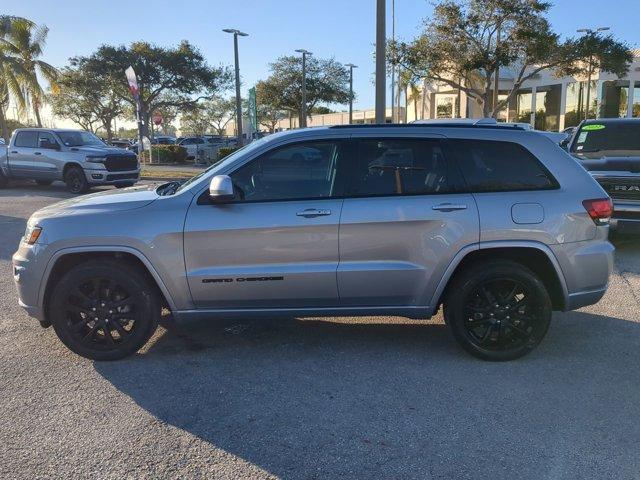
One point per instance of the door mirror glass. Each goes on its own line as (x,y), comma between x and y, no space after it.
(221,189)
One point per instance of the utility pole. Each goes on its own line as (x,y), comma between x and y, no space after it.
(496,82)
(237,33)
(591,33)
(303,110)
(351,67)
(393,65)
(381,73)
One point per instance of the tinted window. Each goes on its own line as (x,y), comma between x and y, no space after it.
(45,138)
(400,166)
(303,170)
(594,140)
(26,139)
(490,166)
(79,139)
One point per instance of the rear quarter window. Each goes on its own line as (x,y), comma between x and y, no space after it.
(496,166)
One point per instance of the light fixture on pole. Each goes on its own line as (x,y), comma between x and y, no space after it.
(590,32)
(303,111)
(351,67)
(237,33)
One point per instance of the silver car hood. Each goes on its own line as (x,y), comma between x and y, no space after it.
(100,150)
(116,200)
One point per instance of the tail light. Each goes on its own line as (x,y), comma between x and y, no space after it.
(599,209)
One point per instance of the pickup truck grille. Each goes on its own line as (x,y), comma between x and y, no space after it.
(622,188)
(121,163)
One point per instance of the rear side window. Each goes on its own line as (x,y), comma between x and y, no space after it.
(494,166)
(400,167)
(26,139)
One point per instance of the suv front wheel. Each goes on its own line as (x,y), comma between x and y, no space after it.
(498,311)
(104,309)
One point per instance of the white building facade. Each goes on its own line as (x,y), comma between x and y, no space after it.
(546,101)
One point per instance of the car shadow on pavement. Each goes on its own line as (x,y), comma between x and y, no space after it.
(368,399)
(12,227)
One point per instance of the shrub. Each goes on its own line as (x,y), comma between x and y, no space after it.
(224,151)
(165,154)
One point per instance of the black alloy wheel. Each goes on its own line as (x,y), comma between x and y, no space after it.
(75,180)
(103,310)
(498,312)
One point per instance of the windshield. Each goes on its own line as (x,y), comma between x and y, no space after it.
(225,161)
(80,139)
(597,140)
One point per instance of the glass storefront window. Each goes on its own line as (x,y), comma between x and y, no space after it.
(577,101)
(635,111)
(615,96)
(523,106)
(548,107)
(445,105)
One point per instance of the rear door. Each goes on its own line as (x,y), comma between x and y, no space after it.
(404,218)
(22,154)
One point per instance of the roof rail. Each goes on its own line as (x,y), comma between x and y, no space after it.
(438,123)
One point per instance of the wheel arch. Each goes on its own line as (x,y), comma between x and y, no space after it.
(70,165)
(536,256)
(65,259)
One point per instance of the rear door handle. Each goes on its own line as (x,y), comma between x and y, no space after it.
(38,153)
(14,151)
(313,212)
(449,207)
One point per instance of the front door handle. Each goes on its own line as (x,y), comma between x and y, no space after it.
(313,212)
(38,153)
(14,151)
(449,207)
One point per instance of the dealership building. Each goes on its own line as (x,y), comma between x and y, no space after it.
(546,101)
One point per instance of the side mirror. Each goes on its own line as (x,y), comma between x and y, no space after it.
(565,143)
(221,189)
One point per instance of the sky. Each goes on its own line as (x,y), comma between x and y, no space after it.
(343,29)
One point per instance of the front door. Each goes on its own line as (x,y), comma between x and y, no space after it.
(276,244)
(404,218)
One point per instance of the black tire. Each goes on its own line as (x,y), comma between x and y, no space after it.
(498,311)
(124,185)
(126,305)
(44,183)
(75,180)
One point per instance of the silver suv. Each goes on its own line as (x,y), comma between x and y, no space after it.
(498,224)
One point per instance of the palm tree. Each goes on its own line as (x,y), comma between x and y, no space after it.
(25,41)
(11,71)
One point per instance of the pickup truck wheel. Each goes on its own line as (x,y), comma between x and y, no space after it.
(104,310)
(498,311)
(44,183)
(3,180)
(75,180)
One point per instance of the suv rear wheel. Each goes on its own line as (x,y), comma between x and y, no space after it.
(104,310)
(498,311)
(75,180)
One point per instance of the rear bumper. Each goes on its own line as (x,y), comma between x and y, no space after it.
(626,216)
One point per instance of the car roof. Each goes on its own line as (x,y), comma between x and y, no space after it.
(611,120)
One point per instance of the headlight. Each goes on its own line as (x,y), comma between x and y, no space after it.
(31,234)
(96,159)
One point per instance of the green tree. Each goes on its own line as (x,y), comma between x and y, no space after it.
(460,48)
(208,115)
(327,81)
(25,42)
(11,70)
(268,110)
(84,98)
(167,77)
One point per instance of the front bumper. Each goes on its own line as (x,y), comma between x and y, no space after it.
(105,177)
(27,273)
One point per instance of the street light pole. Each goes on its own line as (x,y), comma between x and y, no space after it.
(351,67)
(381,73)
(590,32)
(237,33)
(303,110)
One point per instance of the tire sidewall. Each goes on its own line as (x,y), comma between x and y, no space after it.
(133,281)
(468,282)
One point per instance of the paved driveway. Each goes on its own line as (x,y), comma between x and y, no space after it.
(332,398)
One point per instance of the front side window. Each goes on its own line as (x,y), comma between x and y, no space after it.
(294,172)
(400,167)
(26,139)
(494,166)
(46,140)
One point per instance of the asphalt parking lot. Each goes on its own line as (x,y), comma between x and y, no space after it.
(318,399)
